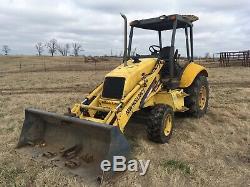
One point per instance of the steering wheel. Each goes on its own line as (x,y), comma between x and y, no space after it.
(154,49)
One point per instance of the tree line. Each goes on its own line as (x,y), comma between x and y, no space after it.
(53,48)
(63,49)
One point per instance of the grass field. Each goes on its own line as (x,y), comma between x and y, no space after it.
(211,151)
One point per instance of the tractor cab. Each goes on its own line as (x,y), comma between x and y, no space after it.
(172,70)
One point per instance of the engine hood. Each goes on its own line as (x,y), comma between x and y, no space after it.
(132,73)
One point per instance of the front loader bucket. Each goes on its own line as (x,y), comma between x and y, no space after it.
(72,143)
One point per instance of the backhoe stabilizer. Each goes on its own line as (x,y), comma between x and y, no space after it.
(76,144)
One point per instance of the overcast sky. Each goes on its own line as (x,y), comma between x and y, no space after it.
(223,25)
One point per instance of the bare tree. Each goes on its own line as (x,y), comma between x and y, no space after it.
(76,48)
(52,46)
(39,47)
(63,49)
(6,49)
(60,49)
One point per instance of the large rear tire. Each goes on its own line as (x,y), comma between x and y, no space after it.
(160,124)
(197,101)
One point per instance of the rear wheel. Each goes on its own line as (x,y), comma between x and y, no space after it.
(197,101)
(160,124)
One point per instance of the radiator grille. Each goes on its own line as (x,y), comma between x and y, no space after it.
(113,87)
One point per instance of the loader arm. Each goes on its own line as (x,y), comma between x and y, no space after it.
(118,112)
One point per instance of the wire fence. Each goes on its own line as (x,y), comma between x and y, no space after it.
(15,64)
(38,64)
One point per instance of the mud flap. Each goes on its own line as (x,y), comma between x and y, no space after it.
(74,144)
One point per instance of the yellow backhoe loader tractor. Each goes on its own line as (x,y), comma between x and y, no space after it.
(93,130)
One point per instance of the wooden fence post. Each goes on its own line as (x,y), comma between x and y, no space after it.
(44,65)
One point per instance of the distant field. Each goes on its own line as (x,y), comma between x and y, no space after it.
(211,151)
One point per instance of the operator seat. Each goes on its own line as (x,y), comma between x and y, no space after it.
(165,74)
(165,53)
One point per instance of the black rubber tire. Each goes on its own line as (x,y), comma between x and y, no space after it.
(192,101)
(155,123)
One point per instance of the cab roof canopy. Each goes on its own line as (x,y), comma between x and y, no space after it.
(165,22)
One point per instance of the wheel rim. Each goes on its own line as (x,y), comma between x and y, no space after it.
(202,97)
(168,124)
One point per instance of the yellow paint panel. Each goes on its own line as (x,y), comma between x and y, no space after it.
(173,98)
(189,74)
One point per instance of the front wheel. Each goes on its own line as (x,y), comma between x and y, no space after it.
(197,101)
(160,124)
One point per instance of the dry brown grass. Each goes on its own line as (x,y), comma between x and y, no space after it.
(211,151)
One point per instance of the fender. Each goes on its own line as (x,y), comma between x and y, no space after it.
(190,73)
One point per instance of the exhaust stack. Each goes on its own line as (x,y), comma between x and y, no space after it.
(125,39)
